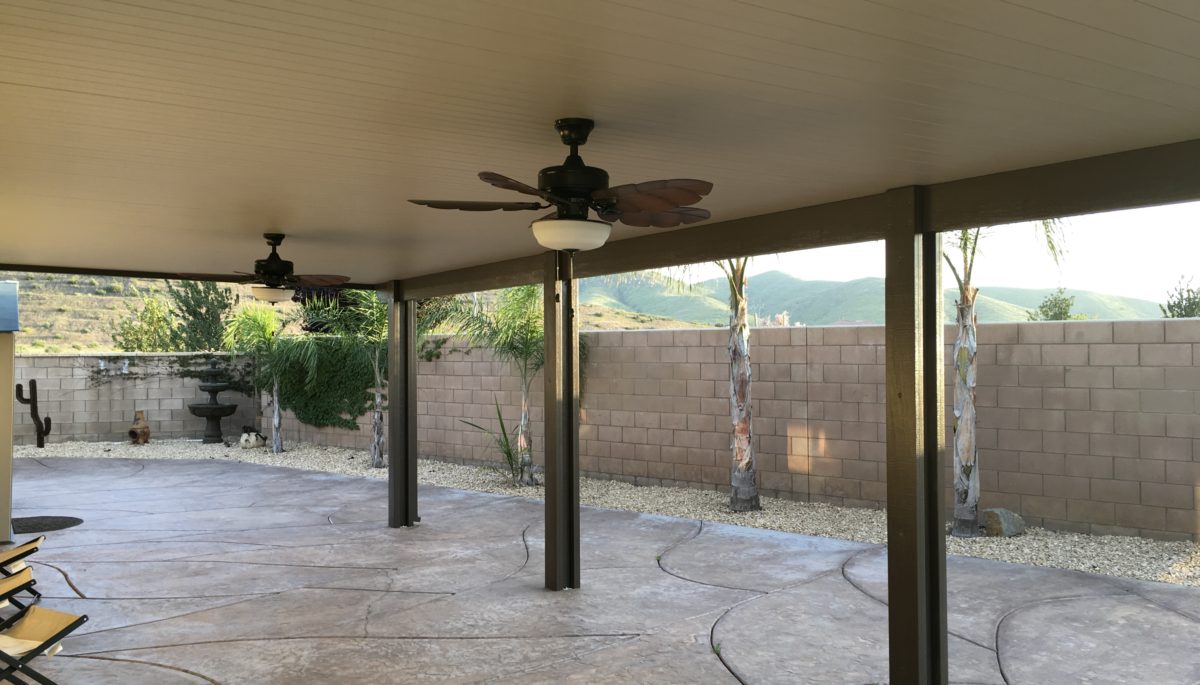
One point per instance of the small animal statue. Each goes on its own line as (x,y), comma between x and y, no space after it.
(139,431)
(251,438)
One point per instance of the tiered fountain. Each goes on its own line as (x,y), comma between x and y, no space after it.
(212,411)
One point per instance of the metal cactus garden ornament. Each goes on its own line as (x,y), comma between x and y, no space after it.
(41,425)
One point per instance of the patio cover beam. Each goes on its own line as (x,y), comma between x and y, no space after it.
(402,410)
(561,373)
(915,443)
(1158,175)
(1151,176)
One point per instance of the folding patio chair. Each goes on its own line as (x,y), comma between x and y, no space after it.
(21,581)
(12,560)
(34,631)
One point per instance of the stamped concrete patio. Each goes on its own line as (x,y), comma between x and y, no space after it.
(207,572)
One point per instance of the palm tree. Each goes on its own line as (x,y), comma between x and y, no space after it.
(743,485)
(357,323)
(254,331)
(512,327)
(966,450)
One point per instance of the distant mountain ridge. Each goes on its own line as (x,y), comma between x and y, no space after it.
(830,302)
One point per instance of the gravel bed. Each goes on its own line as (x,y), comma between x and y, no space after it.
(1141,558)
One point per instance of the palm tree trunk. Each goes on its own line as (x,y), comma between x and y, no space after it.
(524,441)
(276,419)
(377,460)
(743,491)
(966,475)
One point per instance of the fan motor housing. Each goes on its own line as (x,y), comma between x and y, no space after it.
(273,270)
(572,180)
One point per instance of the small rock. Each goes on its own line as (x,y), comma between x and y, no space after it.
(1001,523)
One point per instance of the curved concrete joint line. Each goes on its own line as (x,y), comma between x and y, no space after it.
(65,576)
(1037,602)
(155,664)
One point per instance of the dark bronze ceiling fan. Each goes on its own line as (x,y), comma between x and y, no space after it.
(572,188)
(274,271)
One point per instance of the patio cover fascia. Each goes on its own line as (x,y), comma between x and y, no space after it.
(910,220)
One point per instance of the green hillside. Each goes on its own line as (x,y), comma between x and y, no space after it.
(657,297)
(63,313)
(827,302)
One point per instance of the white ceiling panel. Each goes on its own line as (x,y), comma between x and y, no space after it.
(167,135)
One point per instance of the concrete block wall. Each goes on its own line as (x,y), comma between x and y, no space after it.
(1089,426)
(82,410)
(1093,426)
(464,385)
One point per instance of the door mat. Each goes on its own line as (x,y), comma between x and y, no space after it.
(43,524)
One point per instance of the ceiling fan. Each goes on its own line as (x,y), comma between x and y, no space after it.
(572,188)
(275,272)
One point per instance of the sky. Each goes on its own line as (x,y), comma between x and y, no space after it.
(1138,253)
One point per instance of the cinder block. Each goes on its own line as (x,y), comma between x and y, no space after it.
(1141,517)
(1113,445)
(1065,398)
(1168,495)
(1089,421)
(1138,332)
(998,417)
(835,487)
(840,335)
(1183,473)
(1167,354)
(1000,460)
(1105,399)
(1046,507)
(1168,401)
(859,392)
(1042,419)
(1184,378)
(874,335)
(1168,449)
(858,354)
(1088,377)
(1040,332)
(1018,355)
(1019,440)
(1091,512)
(1070,487)
(824,354)
(1112,355)
(1087,332)
(1183,520)
(771,337)
(1183,425)
(997,333)
(1020,483)
(1066,355)
(1117,491)
(1137,423)
(824,466)
(1026,398)
(1139,469)
(1182,330)
(1141,377)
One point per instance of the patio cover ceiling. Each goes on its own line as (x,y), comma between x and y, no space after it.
(165,136)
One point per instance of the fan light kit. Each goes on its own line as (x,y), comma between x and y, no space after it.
(570,234)
(266,293)
(572,188)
